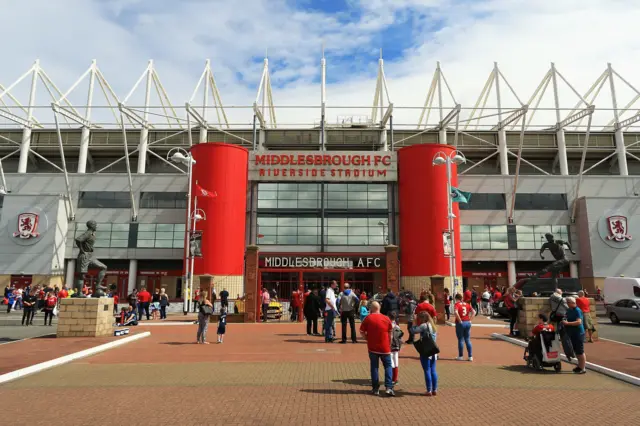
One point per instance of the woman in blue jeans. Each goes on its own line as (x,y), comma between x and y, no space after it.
(464,312)
(428,325)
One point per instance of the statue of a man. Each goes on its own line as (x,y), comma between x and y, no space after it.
(556,247)
(86,259)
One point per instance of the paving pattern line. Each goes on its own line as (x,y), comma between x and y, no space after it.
(628,378)
(27,338)
(14,375)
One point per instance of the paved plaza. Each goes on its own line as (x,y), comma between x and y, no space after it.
(273,374)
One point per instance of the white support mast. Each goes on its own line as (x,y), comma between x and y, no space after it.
(26,132)
(323,101)
(266,103)
(438,82)
(382,110)
(211,93)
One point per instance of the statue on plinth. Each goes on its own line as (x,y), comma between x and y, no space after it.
(556,247)
(86,259)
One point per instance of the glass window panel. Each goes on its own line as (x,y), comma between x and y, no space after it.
(267,239)
(287,195)
(267,195)
(308,204)
(179,227)
(308,240)
(123,227)
(337,239)
(119,236)
(525,237)
(164,227)
(541,229)
(526,245)
(267,204)
(480,229)
(357,240)
(502,229)
(465,228)
(357,196)
(267,187)
(378,187)
(357,221)
(337,195)
(178,235)
(376,240)
(524,229)
(287,187)
(307,195)
(306,230)
(103,227)
(465,237)
(102,243)
(164,243)
(308,221)
(178,244)
(268,230)
(308,187)
(480,237)
(378,196)
(146,243)
(358,230)
(287,239)
(146,236)
(287,221)
(287,204)
(501,238)
(377,204)
(164,235)
(375,221)
(335,187)
(358,187)
(559,229)
(287,230)
(466,245)
(482,245)
(335,230)
(498,245)
(357,204)
(337,204)
(120,243)
(337,221)
(267,221)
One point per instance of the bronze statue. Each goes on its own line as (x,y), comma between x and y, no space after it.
(556,247)
(86,259)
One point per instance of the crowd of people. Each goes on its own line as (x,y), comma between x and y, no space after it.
(32,300)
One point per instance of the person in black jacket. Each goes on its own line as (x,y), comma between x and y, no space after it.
(390,304)
(312,312)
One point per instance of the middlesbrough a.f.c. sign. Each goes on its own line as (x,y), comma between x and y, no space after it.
(344,166)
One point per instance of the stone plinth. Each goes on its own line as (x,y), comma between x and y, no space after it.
(91,317)
(533,306)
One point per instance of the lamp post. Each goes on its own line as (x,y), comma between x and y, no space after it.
(384,231)
(443,159)
(197,215)
(181,156)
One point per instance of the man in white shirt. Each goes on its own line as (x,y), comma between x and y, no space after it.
(486,306)
(330,311)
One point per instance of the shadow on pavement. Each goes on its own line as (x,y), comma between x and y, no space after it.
(523,369)
(178,343)
(319,340)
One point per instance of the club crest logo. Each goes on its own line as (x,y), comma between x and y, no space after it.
(618,228)
(27,226)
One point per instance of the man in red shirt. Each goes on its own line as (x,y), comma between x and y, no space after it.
(464,313)
(585,306)
(376,329)
(144,297)
(467,296)
(295,305)
(63,294)
(424,305)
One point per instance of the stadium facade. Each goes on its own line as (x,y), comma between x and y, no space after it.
(355,199)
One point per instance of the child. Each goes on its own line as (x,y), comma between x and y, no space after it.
(396,344)
(222,324)
(363,309)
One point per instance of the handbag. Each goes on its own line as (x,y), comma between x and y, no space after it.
(207,310)
(426,346)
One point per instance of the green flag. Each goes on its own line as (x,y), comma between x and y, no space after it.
(458,196)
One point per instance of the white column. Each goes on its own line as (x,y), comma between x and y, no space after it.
(573,269)
(503,152)
(142,150)
(133,275)
(562,153)
(262,136)
(511,273)
(383,140)
(26,133)
(71,269)
(84,150)
(622,153)
(204,134)
(442,136)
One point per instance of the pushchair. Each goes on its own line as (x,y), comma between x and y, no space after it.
(544,351)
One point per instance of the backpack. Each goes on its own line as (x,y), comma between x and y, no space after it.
(410,309)
(51,302)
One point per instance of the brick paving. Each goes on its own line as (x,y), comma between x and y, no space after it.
(273,374)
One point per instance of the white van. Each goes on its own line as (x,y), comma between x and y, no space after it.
(616,288)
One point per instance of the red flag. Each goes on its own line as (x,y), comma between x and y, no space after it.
(201,192)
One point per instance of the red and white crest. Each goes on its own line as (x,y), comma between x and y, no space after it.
(27,226)
(618,228)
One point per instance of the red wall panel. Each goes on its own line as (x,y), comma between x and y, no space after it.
(422,193)
(221,168)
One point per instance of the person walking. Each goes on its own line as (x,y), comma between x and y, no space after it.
(390,304)
(164,302)
(410,311)
(155,304)
(133,299)
(204,313)
(312,312)
(348,305)
(222,324)
(428,325)
(396,345)
(447,303)
(574,326)
(265,299)
(144,299)
(51,302)
(510,304)
(330,312)
(585,306)
(29,302)
(377,329)
(464,313)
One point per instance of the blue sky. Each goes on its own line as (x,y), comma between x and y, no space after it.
(466,36)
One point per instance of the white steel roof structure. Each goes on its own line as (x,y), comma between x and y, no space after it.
(501,125)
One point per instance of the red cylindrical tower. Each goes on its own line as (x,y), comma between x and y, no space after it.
(221,168)
(422,209)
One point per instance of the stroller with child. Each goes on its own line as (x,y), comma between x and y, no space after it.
(544,351)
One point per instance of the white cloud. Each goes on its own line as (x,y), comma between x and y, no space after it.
(523,36)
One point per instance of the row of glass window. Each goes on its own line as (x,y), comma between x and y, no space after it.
(496,237)
(496,201)
(152,235)
(308,196)
(122,200)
